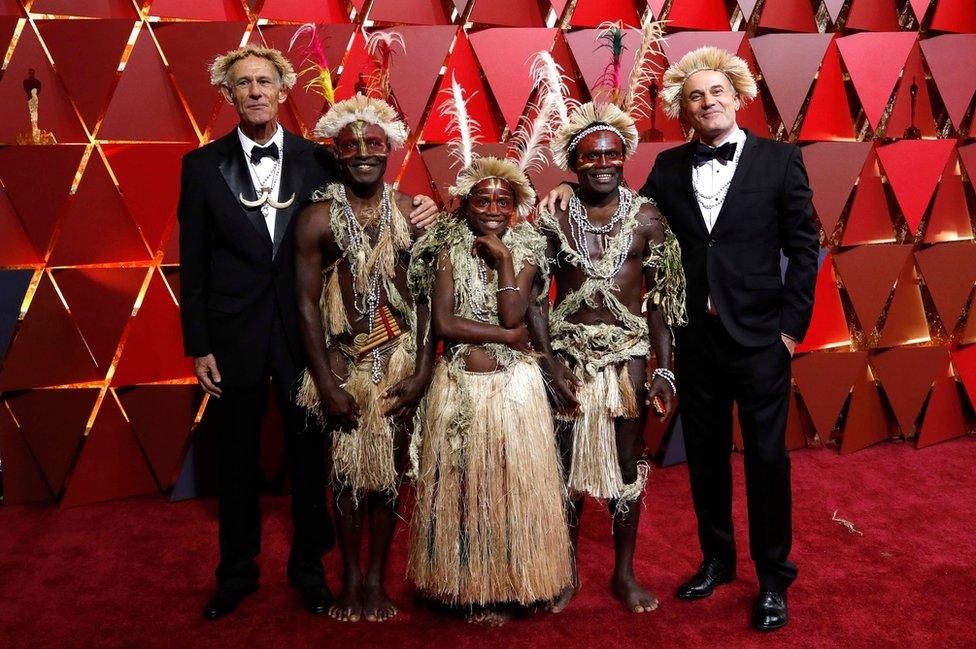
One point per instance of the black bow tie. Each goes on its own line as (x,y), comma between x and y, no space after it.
(258,152)
(704,153)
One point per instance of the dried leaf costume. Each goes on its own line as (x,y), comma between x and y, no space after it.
(598,354)
(363,460)
(489,522)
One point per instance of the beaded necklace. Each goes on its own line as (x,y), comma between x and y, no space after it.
(366,303)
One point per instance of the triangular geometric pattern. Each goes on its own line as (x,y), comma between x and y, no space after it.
(828,325)
(944,419)
(89,78)
(913,168)
(788,15)
(99,9)
(874,61)
(162,417)
(904,321)
(463,67)
(828,116)
(100,301)
(705,15)
(302,11)
(906,374)
(872,16)
(509,14)
(505,56)
(949,218)
(53,423)
(920,8)
(111,464)
(833,168)
(824,380)
(869,273)
(413,80)
(55,112)
(950,59)
(17,249)
(97,229)
(591,13)
(13,289)
(153,349)
(954,16)
(47,348)
(869,219)
(867,420)
(149,198)
(949,270)
(214,10)
(189,47)
(23,481)
(413,12)
(38,181)
(145,105)
(964,362)
(900,120)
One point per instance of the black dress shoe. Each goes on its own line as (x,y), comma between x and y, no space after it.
(223,602)
(711,573)
(769,611)
(315,599)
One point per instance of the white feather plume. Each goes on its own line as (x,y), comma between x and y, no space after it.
(548,78)
(456,108)
(652,35)
(531,136)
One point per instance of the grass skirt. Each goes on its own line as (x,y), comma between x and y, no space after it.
(595,466)
(363,460)
(489,524)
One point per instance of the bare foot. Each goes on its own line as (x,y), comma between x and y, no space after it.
(632,595)
(377,605)
(563,598)
(491,616)
(348,606)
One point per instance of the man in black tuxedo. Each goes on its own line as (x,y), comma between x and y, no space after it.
(735,201)
(238,199)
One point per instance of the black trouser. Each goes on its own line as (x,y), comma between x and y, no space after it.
(713,372)
(240,412)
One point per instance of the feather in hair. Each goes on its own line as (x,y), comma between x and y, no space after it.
(548,78)
(652,35)
(381,46)
(611,37)
(531,136)
(321,81)
(456,109)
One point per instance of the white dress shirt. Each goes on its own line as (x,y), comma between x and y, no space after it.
(713,175)
(710,178)
(264,171)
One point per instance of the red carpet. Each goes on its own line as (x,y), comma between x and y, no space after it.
(136,573)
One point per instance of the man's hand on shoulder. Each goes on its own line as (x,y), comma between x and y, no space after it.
(425,211)
(557,197)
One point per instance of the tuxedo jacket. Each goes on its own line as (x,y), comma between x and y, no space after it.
(237,283)
(767,210)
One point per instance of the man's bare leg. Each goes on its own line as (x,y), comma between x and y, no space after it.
(382,525)
(574,515)
(348,605)
(377,605)
(630,445)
